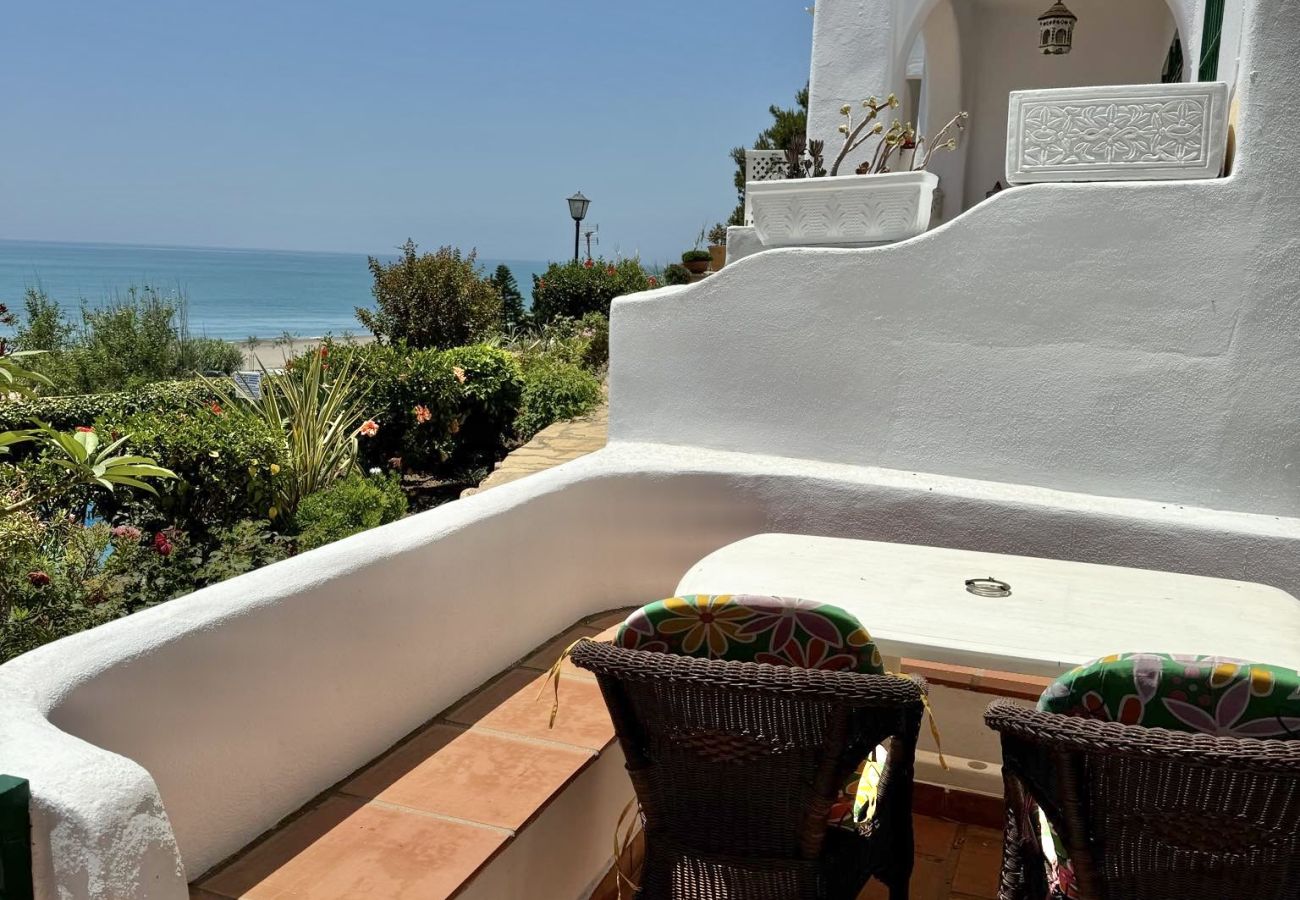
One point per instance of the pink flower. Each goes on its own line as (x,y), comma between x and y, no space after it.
(654,282)
(588,264)
(422,414)
(38,579)
(126,533)
(85,429)
(369,428)
(162,544)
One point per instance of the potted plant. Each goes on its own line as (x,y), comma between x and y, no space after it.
(888,198)
(717,247)
(697,260)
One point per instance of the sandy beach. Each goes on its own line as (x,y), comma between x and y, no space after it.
(272,353)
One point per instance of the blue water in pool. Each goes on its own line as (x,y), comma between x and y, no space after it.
(233,294)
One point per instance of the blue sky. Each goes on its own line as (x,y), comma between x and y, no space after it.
(349,126)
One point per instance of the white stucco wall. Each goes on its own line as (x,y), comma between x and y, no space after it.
(160,743)
(1115,339)
(1115,42)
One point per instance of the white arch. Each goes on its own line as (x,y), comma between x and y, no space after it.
(913,16)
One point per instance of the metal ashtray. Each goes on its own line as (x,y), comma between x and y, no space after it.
(988,587)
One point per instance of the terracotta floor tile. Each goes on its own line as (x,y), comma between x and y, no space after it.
(490,697)
(481,777)
(545,657)
(344,850)
(582,721)
(611,618)
(978,863)
(934,837)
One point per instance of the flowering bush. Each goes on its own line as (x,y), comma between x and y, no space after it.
(574,289)
(435,410)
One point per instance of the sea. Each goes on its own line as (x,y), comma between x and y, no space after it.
(232,294)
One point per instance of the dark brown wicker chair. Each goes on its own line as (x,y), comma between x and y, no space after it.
(1149,813)
(736,766)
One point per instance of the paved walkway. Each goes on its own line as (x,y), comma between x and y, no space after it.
(552,446)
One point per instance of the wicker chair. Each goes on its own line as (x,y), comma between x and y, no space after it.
(736,765)
(1146,812)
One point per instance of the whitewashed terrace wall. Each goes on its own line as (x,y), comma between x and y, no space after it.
(160,743)
(1129,340)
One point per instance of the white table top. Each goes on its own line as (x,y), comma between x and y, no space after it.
(914,602)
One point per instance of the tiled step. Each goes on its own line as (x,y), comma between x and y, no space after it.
(430,815)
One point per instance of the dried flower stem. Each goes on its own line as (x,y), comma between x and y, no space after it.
(939,142)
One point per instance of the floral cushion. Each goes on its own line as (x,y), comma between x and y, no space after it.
(780,631)
(775,630)
(1205,694)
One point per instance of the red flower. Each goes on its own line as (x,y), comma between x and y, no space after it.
(610,270)
(85,429)
(588,264)
(324,352)
(216,408)
(38,579)
(369,428)
(162,544)
(541,284)
(653,282)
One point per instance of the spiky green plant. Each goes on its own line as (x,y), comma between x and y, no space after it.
(320,413)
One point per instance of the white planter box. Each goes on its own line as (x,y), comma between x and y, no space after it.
(1118,133)
(845,210)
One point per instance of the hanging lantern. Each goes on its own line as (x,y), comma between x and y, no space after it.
(1056,30)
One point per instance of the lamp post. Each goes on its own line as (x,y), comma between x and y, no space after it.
(578,209)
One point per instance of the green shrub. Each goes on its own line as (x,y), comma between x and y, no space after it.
(431,416)
(554,390)
(349,506)
(437,300)
(228,468)
(136,339)
(574,289)
(696,255)
(677,274)
(66,413)
(488,404)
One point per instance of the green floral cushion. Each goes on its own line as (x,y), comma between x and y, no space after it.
(780,631)
(776,630)
(1205,694)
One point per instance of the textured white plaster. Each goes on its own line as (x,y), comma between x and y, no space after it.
(1129,340)
(244,700)
(1047,354)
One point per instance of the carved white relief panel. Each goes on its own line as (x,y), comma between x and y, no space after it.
(1126,133)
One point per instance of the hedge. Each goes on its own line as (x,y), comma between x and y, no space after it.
(65,413)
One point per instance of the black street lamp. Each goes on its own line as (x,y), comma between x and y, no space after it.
(578,209)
